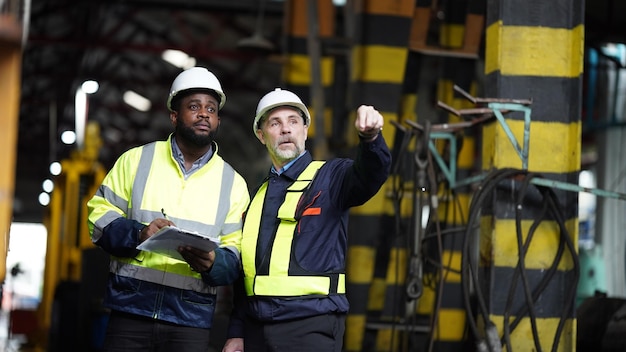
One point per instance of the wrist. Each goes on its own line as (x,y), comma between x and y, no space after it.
(140,234)
(368,137)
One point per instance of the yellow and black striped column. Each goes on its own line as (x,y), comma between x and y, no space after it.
(534,50)
(379,58)
(455,50)
(444,300)
(390,315)
(301,65)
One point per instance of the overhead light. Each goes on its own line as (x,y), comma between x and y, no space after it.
(44,198)
(257,41)
(178,58)
(80,109)
(68,137)
(55,168)
(90,86)
(47,185)
(137,101)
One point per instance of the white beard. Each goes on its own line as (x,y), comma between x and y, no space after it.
(287,154)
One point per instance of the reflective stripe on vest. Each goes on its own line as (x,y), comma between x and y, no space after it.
(279,282)
(182,282)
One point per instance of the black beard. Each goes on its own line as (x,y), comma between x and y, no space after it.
(188,135)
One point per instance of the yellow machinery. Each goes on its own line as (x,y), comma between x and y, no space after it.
(10,69)
(64,311)
(61,314)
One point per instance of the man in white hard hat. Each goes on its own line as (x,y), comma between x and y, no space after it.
(293,295)
(159,303)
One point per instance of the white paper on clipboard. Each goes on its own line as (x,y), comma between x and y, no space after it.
(167,240)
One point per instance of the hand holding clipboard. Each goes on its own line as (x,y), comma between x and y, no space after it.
(168,239)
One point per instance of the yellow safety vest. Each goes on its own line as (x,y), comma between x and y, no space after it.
(211,201)
(279,282)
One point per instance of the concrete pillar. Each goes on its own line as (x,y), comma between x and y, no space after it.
(457,52)
(378,61)
(534,50)
(308,71)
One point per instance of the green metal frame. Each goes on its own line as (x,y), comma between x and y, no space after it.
(449,170)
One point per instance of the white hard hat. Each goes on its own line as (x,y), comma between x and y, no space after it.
(279,97)
(196,77)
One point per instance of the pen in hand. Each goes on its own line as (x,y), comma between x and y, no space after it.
(164,215)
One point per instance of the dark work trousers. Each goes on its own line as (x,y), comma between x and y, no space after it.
(314,334)
(127,332)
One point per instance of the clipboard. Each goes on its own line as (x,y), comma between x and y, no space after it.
(167,240)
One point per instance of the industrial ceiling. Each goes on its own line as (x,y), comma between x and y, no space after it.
(119,44)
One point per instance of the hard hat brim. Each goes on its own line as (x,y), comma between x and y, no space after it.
(267,108)
(180,94)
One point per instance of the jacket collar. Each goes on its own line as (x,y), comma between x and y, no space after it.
(294,170)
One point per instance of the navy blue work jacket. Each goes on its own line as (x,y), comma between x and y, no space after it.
(321,242)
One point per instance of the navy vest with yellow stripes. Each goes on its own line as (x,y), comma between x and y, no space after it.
(281,281)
